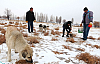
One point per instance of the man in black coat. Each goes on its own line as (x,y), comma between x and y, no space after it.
(67,27)
(30,18)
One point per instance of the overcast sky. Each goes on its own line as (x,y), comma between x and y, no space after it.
(66,8)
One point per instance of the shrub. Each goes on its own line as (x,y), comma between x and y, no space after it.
(16,23)
(56,52)
(36,34)
(2,24)
(67,47)
(46,34)
(96,46)
(70,40)
(3,31)
(2,39)
(52,32)
(99,38)
(33,39)
(54,39)
(80,49)
(57,32)
(89,59)
(11,22)
(57,28)
(90,37)
(25,34)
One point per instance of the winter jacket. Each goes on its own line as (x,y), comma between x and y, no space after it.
(88,18)
(30,16)
(65,25)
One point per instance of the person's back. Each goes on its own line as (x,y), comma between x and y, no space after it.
(67,27)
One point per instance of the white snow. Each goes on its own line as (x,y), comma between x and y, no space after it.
(43,51)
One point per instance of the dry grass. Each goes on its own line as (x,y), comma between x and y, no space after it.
(52,32)
(57,32)
(94,46)
(90,37)
(2,39)
(1,28)
(70,40)
(16,23)
(5,23)
(56,52)
(89,59)
(36,34)
(11,22)
(99,38)
(67,47)
(80,49)
(22,62)
(48,28)
(25,34)
(98,47)
(3,31)
(57,28)
(34,39)
(2,23)
(34,30)
(54,39)
(89,45)
(46,34)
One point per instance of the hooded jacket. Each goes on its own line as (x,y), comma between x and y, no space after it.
(88,18)
(66,26)
(30,16)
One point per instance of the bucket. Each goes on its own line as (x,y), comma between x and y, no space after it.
(80,30)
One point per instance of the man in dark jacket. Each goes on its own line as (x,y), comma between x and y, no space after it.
(30,18)
(67,26)
(87,20)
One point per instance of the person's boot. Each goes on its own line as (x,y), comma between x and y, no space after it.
(62,35)
(67,35)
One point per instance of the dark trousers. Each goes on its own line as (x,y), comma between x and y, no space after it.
(68,31)
(30,24)
(85,30)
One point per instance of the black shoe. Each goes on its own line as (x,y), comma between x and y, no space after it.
(67,36)
(84,39)
(62,35)
(29,32)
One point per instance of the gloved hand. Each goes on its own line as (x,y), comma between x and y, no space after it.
(26,21)
(90,24)
(81,25)
(34,20)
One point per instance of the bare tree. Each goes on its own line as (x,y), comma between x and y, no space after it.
(51,18)
(60,19)
(64,21)
(72,20)
(46,18)
(0,16)
(18,18)
(56,19)
(8,13)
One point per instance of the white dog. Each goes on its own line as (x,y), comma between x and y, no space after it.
(15,40)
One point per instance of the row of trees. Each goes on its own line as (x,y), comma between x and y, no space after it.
(39,17)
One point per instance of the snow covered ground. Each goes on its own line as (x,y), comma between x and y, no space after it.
(53,52)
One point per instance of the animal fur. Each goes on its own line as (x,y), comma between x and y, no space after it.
(43,27)
(15,40)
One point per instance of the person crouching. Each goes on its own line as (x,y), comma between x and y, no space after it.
(67,27)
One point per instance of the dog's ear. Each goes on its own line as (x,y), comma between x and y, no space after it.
(24,53)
